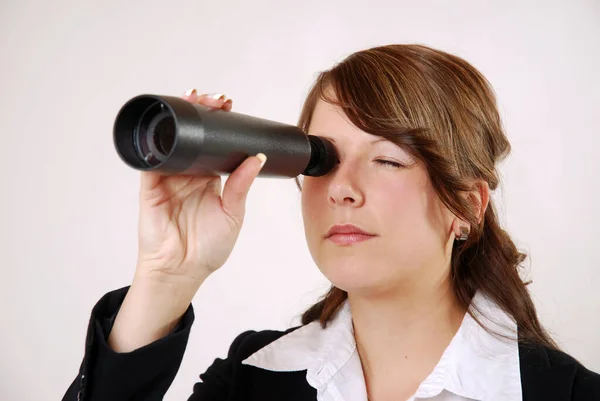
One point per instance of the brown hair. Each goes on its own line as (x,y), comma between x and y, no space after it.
(443,111)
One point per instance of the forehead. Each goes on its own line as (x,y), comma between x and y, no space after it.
(330,121)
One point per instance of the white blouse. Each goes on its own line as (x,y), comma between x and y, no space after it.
(475,366)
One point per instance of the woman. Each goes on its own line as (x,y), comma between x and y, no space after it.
(426,300)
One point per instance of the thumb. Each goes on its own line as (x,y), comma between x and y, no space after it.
(237,186)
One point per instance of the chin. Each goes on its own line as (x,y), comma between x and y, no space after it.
(351,274)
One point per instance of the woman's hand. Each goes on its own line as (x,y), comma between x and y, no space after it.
(187,230)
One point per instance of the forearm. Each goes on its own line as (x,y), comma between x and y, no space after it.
(151,309)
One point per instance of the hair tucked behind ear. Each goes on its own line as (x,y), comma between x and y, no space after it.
(442,111)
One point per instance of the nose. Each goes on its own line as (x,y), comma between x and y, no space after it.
(343,188)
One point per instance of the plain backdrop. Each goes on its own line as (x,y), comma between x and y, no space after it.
(68,204)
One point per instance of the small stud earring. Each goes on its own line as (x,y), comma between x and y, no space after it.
(464,234)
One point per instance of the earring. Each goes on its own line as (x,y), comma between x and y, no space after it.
(464,234)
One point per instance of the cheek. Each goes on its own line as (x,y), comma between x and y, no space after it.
(425,228)
(397,204)
(410,216)
(312,205)
(313,197)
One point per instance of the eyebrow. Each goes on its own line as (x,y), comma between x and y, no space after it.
(373,141)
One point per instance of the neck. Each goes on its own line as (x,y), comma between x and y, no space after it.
(403,333)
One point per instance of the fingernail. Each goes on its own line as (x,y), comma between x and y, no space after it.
(263,159)
(216,96)
(189,92)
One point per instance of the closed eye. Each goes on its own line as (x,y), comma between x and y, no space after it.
(386,163)
(389,163)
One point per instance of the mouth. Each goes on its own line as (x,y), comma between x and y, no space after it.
(347,234)
(349,239)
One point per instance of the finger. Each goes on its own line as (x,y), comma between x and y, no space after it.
(227,105)
(191,95)
(149,180)
(238,184)
(216,100)
(215,185)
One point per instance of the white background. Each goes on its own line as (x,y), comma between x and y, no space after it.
(68,205)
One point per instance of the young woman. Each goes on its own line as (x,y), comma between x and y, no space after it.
(426,298)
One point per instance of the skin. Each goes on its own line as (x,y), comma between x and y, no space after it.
(404,312)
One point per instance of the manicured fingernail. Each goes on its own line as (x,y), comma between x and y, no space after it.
(263,159)
(189,92)
(216,96)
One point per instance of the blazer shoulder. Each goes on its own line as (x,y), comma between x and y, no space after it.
(250,341)
(586,383)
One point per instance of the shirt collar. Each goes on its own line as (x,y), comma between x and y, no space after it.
(476,364)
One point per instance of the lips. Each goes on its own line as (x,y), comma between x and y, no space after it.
(346,229)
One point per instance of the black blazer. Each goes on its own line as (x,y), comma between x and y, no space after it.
(146,373)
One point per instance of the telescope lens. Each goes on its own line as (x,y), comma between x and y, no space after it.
(154,135)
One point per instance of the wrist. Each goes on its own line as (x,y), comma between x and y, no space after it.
(169,295)
(157,278)
(151,310)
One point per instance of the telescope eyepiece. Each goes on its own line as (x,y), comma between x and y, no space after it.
(154,134)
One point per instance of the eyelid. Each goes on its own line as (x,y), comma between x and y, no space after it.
(393,163)
(382,160)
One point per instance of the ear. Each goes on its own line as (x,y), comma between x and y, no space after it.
(479,198)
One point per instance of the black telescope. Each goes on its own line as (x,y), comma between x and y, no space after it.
(173,136)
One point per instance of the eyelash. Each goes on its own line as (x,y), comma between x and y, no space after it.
(387,163)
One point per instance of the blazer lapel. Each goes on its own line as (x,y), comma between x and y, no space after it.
(542,381)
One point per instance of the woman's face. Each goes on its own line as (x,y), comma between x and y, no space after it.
(412,228)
